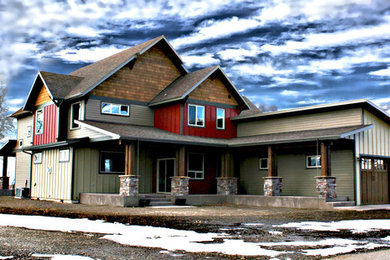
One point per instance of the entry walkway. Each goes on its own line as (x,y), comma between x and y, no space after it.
(366,207)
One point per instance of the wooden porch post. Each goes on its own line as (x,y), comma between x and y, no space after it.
(227,164)
(5,165)
(129,160)
(272,183)
(4,180)
(324,160)
(271,162)
(326,184)
(181,161)
(227,184)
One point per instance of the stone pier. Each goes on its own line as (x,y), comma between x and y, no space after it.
(227,185)
(326,187)
(128,185)
(272,186)
(180,186)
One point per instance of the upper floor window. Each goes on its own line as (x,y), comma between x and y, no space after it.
(39,121)
(75,115)
(220,118)
(196,115)
(115,109)
(313,161)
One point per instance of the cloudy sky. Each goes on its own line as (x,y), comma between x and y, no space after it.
(287,53)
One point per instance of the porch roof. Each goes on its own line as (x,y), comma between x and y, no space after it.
(151,134)
(7,149)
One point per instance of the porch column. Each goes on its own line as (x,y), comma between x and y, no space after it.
(129,181)
(227,183)
(4,180)
(272,183)
(326,184)
(180,182)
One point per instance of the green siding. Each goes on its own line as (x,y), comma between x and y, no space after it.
(87,177)
(251,178)
(343,169)
(146,170)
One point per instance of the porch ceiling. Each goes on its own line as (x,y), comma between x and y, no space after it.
(151,134)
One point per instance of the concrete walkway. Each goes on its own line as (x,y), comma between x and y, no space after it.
(366,207)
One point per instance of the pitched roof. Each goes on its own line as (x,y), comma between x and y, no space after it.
(20,113)
(151,134)
(253,109)
(7,149)
(59,85)
(97,72)
(182,86)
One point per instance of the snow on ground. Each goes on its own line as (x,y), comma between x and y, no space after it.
(171,240)
(355,226)
(62,257)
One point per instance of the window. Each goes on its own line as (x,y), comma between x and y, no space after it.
(75,115)
(39,122)
(195,166)
(29,130)
(20,143)
(195,115)
(220,118)
(115,109)
(37,158)
(112,162)
(313,161)
(64,155)
(263,163)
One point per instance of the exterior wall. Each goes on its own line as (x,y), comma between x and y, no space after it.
(87,177)
(52,179)
(209,184)
(139,114)
(50,126)
(145,171)
(210,128)
(213,90)
(151,73)
(23,166)
(168,118)
(23,124)
(43,96)
(297,179)
(340,118)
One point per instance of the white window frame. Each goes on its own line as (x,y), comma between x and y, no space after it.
(64,155)
(20,143)
(37,158)
(223,119)
(196,115)
(114,104)
(261,159)
(72,123)
(36,121)
(29,131)
(316,159)
(196,172)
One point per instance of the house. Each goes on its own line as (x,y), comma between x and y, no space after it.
(138,122)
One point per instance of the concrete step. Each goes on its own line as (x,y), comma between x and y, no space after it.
(338,204)
(338,198)
(160,203)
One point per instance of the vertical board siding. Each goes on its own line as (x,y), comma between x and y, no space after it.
(145,171)
(52,179)
(23,163)
(168,118)
(87,177)
(251,177)
(50,126)
(342,167)
(210,128)
(139,114)
(347,117)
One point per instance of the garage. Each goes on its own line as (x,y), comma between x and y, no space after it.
(374,181)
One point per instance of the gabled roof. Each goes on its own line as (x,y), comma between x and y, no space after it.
(7,148)
(317,108)
(184,85)
(59,85)
(97,72)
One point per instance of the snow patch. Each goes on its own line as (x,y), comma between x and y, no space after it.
(62,257)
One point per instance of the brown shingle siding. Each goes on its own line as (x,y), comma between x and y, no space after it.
(152,72)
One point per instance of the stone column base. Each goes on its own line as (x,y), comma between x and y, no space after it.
(180,186)
(326,187)
(272,186)
(128,185)
(4,183)
(227,185)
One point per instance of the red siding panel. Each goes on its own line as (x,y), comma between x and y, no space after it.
(210,129)
(209,184)
(49,127)
(168,118)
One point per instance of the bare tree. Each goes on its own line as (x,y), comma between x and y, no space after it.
(267,108)
(6,124)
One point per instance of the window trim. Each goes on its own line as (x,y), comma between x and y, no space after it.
(71,116)
(42,110)
(68,157)
(39,161)
(260,159)
(223,118)
(195,171)
(307,161)
(20,143)
(29,131)
(114,114)
(196,113)
(100,162)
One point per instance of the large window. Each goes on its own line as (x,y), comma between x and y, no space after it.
(112,162)
(115,109)
(196,115)
(39,121)
(220,118)
(195,166)
(75,115)
(313,161)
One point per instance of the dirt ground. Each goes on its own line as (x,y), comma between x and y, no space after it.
(22,243)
